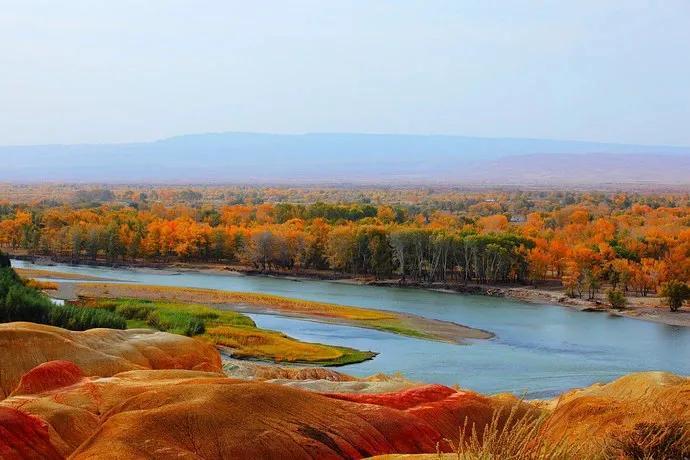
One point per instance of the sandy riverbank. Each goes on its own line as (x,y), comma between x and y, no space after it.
(382,320)
(642,308)
(650,308)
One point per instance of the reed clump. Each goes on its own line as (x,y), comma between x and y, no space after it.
(514,434)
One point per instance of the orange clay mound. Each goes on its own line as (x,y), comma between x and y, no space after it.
(401,399)
(54,411)
(169,413)
(252,420)
(102,352)
(49,376)
(441,407)
(600,411)
(23,436)
(192,414)
(74,412)
(163,414)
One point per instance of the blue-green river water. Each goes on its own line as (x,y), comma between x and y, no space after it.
(539,350)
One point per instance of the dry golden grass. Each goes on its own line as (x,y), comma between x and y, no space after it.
(663,433)
(661,440)
(515,435)
(258,343)
(521,438)
(637,411)
(42,285)
(210,296)
(38,273)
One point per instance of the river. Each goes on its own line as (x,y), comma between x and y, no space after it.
(538,351)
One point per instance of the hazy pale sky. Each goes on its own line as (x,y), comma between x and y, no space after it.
(113,71)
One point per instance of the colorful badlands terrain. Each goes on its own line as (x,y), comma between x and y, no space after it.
(142,394)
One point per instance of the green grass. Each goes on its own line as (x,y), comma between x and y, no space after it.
(176,322)
(175,317)
(402,330)
(223,327)
(137,324)
(349,356)
(22,302)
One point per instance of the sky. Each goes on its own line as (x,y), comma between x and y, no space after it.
(122,70)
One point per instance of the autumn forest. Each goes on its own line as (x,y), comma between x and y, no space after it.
(587,241)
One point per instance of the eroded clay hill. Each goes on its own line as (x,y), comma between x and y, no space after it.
(103,394)
(106,394)
(637,404)
(101,352)
(192,414)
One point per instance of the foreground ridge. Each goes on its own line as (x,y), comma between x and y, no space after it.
(158,395)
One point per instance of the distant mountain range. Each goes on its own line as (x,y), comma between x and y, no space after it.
(352,158)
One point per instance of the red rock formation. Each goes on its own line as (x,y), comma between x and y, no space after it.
(158,413)
(74,412)
(55,411)
(177,412)
(102,352)
(253,420)
(23,436)
(441,407)
(402,399)
(48,376)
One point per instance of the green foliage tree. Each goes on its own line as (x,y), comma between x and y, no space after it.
(381,254)
(592,282)
(676,293)
(4,260)
(616,299)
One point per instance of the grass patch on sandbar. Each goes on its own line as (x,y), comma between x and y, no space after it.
(387,321)
(226,328)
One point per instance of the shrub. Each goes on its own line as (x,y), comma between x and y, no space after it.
(154,320)
(81,319)
(21,302)
(24,304)
(134,310)
(42,285)
(663,440)
(616,299)
(194,326)
(4,260)
(177,322)
(102,305)
(676,292)
(515,436)
(182,323)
